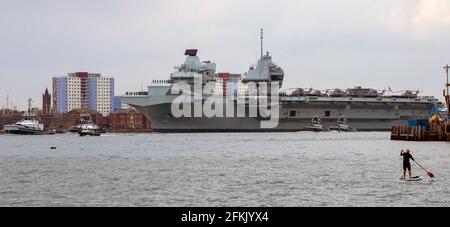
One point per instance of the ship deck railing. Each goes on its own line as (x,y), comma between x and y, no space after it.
(288,94)
(383,99)
(136,93)
(163,81)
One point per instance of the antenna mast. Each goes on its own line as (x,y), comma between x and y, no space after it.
(29,105)
(447,86)
(7,101)
(262,42)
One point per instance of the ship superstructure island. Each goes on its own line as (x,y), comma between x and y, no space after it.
(365,109)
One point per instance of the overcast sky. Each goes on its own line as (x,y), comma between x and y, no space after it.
(319,43)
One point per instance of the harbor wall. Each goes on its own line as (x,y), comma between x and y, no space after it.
(421,133)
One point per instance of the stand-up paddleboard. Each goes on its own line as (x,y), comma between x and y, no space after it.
(416,178)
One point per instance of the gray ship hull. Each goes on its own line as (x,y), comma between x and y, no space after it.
(162,121)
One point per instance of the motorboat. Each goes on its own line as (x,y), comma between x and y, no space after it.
(341,125)
(316,125)
(29,125)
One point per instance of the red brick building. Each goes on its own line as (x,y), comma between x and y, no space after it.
(63,122)
(128,121)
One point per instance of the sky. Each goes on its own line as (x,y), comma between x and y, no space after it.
(402,44)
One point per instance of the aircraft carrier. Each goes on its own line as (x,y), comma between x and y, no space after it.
(365,109)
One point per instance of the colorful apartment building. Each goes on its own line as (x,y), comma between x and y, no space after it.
(83,90)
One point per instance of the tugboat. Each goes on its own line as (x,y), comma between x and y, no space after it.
(316,125)
(29,125)
(341,125)
(79,128)
(87,127)
(90,130)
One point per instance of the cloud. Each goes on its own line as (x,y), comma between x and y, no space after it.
(431,14)
(419,16)
(397,19)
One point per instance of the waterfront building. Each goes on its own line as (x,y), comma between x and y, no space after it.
(83,90)
(128,120)
(117,103)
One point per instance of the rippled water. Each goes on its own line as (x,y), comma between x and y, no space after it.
(242,169)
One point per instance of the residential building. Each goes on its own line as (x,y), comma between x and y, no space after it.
(117,103)
(229,85)
(83,90)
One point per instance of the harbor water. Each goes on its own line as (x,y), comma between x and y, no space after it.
(219,169)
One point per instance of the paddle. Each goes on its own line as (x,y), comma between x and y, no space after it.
(428,172)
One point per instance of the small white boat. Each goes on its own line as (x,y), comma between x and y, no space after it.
(90,130)
(341,125)
(86,125)
(29,125)
(316,125)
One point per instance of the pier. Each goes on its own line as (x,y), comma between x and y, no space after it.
(420,133)
(436,128)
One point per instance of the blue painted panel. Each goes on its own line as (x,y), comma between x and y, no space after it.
(92,93)
(61,95)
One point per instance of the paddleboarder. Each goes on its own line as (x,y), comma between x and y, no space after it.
(406,164)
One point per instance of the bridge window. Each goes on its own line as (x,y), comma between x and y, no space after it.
(293,113)
(277,78)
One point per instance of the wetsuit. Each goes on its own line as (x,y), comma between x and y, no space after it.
(406,164)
